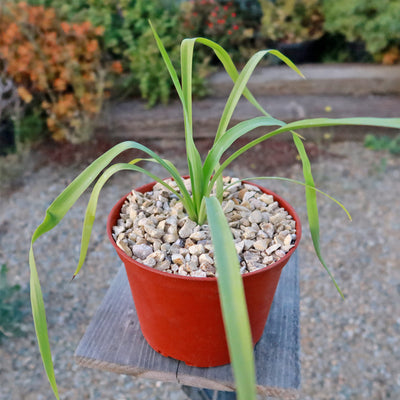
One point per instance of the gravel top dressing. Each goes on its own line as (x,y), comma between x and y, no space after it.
(155,230)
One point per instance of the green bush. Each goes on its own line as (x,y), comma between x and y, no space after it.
(31,128)
(146,65)
(291,21)
(213,19)
(11,307)
(233,27)
(374,22)
(127,39)
(378,143)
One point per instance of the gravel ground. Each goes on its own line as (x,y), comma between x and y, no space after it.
(349,349)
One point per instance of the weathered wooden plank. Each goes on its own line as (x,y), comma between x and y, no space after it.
(114,342)
(276,354)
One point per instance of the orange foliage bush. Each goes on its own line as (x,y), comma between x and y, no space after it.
(56,62)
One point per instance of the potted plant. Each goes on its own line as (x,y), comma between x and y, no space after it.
(294,26)
(198,201)
(368,26)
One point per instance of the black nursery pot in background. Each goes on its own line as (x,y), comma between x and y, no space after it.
(300,53)
(7,138)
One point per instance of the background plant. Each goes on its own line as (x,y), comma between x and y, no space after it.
(291,21)
(148,72)
(378,143)
(55,63)
(127,41)
(375,23)
(220,21)
(20,123)
(12,307)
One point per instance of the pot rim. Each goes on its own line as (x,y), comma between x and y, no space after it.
(281,201)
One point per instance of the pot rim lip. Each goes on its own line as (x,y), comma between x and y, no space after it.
(282,202)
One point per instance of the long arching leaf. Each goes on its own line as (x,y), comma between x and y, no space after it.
(70,195)
(359,121)
(230,68)
(311,123)
(90,213)
(39,319)
(194,159)
(239,88)
(54,215)
(184,92)
(312,207)
(240,85)
(279,178)
(225,141)
(233,302)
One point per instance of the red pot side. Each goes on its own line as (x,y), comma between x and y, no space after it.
(180,316)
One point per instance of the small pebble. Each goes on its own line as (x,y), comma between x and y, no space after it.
(141,251)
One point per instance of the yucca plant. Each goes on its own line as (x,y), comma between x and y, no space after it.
(202,204)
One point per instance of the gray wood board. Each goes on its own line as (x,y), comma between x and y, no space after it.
(114,342)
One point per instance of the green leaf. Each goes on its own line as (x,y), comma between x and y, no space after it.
(312,208)
(169,65)
(278,178)
(239,88)
(187,46)
(237,91)
(230,136)
(193,156)
(230,68)
(54,215)
(184,93)
(240,85)
(39,319)
(68,197)
(311,123)
(233,302)
(359,121)
(92,204)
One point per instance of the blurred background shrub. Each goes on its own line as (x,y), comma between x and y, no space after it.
(56,67)
(60,60)
(375,23)
(222,22)
(292,21)
(378,143)
(127,40)
(13,301)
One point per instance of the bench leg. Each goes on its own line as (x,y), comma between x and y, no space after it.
(195,393)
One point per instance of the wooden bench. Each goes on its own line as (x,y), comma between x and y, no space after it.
(114,342)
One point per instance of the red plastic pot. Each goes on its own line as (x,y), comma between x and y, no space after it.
(180,316)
